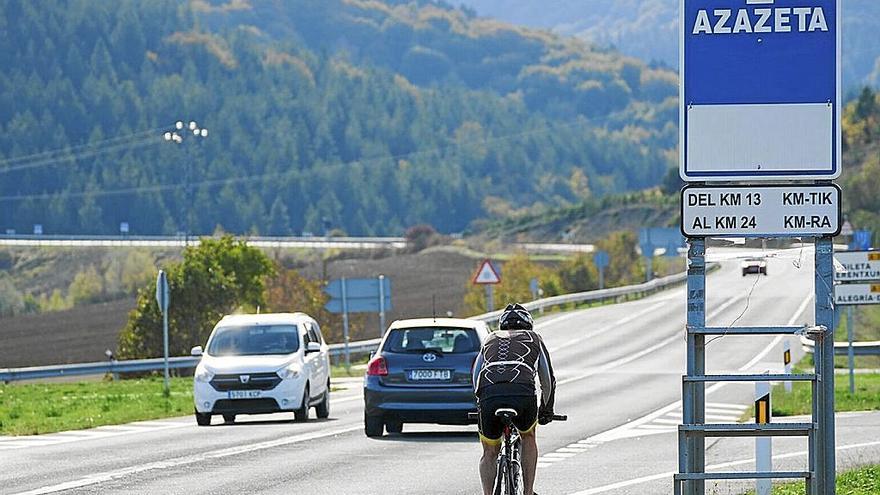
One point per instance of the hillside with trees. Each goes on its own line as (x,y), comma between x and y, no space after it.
(361,116)
(648,29)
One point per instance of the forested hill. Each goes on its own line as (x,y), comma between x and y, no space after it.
(362,115)
(649,28)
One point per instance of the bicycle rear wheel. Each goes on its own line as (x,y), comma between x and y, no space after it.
(500,475)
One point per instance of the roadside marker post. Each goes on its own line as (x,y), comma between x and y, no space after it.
(786,362)
(162,298)
(488,276)
(759,101)
(763,445)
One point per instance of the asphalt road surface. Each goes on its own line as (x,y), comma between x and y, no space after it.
(619,370)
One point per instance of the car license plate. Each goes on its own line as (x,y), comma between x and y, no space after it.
(427,375)
(243,394)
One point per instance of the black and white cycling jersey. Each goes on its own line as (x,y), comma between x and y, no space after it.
(508,364)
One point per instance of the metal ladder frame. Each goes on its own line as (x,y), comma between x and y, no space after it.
(820,475)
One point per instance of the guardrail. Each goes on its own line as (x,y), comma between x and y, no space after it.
(181,241)
(842,348)
(140,365)
(359,347)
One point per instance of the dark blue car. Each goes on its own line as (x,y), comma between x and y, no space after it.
(422,374)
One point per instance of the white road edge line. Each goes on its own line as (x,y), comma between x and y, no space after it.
(643,352)
(97,478)
(619,322)
(654,477)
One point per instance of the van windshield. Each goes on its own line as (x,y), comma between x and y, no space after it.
(254,340)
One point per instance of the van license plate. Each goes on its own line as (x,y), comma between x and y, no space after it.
(419,375)
(244,394)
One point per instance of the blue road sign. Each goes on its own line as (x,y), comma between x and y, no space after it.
(861,240)
(361,295)
(760,98)
(654,238)
(601,259)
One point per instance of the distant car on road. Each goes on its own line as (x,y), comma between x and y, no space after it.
(422,374)
(754,265)
(259,364)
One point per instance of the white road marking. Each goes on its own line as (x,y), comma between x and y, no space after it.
(98,478)
(654,423)
(668,475)
(643,352)
(617,323)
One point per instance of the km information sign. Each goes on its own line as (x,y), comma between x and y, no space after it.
(760,98)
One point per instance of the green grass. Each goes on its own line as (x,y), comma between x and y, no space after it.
(33,409)
(340,371)
(862,481)
(798,402)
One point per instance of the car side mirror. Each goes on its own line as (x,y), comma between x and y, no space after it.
(196,351)
(313,347)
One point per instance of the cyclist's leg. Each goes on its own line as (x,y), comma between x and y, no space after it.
(528,459)
(489,464)
(526,422)
(490,428)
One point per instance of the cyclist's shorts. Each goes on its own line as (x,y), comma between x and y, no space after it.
(491,427)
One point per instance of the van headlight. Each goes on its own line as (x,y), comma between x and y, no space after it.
(203,374)
(290,372)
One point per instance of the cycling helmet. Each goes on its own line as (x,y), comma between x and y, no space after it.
(515,317)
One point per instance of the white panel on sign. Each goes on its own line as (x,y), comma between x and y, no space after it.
(848,294)
(760,138)
(760,211)
(859,266)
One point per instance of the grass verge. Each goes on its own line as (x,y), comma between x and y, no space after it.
(33,409)
(798,402)
(862,481)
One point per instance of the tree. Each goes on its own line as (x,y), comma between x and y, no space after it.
(214,279)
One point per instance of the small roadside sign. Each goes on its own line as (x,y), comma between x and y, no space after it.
(487,275)
(162,290)
(849,294)
(760,94)
(860,266)
(601,259)
(760,211)
(861,240)
(162,298)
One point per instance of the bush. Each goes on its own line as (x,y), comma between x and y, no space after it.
(11,300)
(214,279)
(87,287)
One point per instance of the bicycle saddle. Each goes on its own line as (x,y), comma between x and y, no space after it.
(504,412)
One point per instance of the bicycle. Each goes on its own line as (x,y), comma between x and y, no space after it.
(508,481)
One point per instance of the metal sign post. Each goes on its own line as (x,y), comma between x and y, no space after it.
(162,298)
(760,101)
(850,354)
(345,324)
(381,305)
(601,259)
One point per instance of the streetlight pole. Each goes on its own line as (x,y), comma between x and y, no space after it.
(178,135)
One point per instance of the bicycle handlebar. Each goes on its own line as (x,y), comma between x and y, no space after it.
(555,417)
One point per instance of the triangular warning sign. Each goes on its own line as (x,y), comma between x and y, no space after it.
(487,274)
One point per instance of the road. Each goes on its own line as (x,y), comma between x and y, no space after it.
(619,369)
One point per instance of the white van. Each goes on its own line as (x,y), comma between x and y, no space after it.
(260,364)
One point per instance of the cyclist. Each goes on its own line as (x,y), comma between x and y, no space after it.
(504,376)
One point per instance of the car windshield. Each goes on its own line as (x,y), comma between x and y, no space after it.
(444,340)
(254,340)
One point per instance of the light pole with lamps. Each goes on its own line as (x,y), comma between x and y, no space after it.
(179,135)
